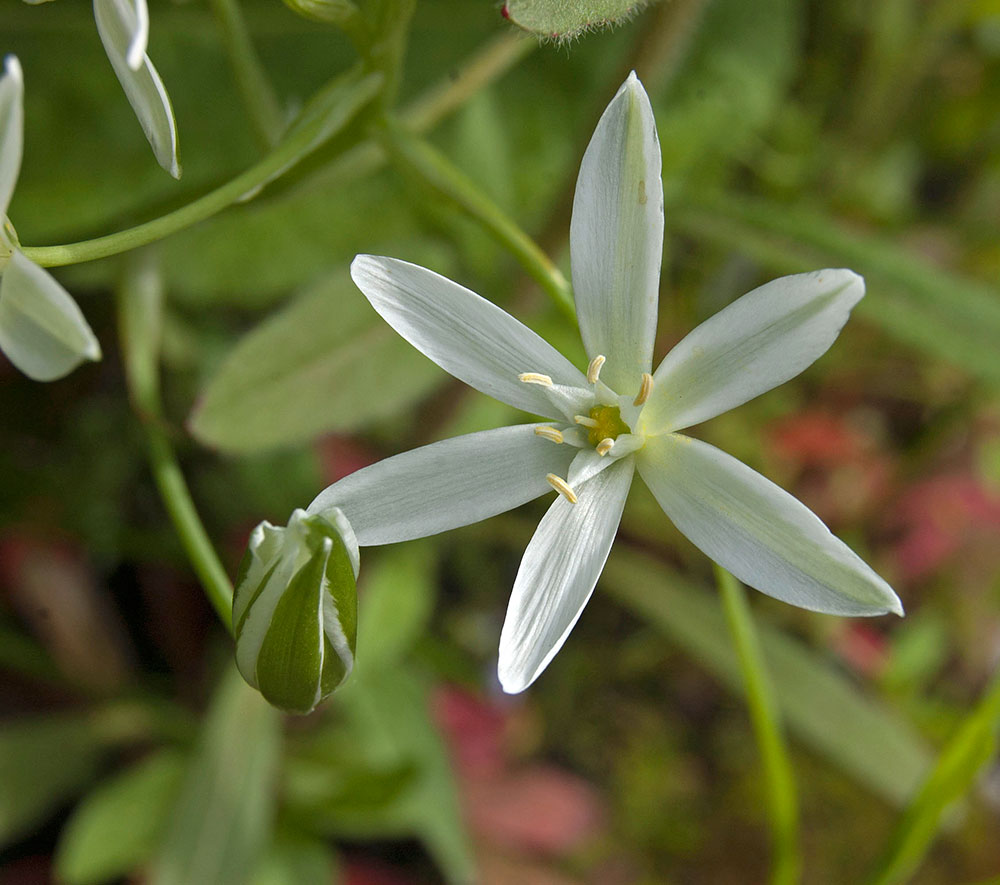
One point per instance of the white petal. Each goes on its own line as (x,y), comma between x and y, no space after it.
(760,533)
(446,484)
(560,567)
(756,343)
(42,330)
(11,130)
(616,238)
(464,334)
(119,28)
(140,36)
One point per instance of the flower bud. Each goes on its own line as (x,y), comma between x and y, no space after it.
(295,609)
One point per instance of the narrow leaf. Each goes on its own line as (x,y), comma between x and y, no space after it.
(940,312)
(820,706)
(221,821)
(972,746)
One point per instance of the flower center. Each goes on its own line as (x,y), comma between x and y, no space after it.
(607,424)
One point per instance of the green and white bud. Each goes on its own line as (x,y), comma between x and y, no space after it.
(295,609)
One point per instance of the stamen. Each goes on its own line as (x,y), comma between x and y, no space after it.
(585,421)
(535,378)
(594,369)
(605,446)
(644,389)
(561,486)
(549,433)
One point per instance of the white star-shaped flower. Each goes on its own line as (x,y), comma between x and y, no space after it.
(614,417)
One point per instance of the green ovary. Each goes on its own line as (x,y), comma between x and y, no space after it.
(609,424)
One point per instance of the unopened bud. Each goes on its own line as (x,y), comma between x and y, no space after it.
(295,609)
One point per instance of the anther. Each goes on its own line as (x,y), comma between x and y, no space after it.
(561,486)
(585,421)
(594,369)
(605,446)
(535,378)
(644,389)
(549,433)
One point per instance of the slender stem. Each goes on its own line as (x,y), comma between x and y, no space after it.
(782,794)
(139,315)
(255,88)
(486,65)
(301,141)
(418,158)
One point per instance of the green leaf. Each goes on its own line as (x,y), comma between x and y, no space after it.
(221,821)
(115,829)
(44,761)
(326,362)
(820,705)
(563,19)
(398,597)
(973,745)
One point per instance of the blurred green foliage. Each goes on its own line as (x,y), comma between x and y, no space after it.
(796,134)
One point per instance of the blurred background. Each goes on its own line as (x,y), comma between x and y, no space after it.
(796,135)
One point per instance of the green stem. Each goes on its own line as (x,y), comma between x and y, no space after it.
(255,88)
(415,156)
(353,94)
(782,794)
(139,316)
(485,66)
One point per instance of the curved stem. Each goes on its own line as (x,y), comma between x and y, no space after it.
(781,791)
(139,314)
(487,64)
(344,98)
(258,96)
(415,156)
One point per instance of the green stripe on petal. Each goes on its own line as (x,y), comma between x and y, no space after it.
(295,609)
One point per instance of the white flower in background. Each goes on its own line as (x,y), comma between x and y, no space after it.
(42,330)
(123,26)
(613,418)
